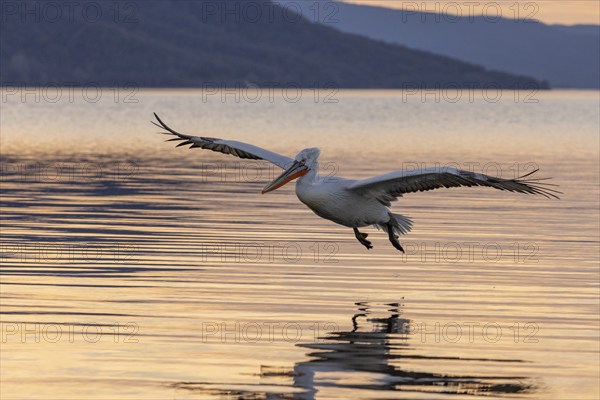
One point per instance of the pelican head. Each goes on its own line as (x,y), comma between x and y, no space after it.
(305,161)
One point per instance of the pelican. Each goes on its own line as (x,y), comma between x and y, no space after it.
(358,203)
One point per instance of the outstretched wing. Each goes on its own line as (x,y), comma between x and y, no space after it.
(386,188)
(238,149)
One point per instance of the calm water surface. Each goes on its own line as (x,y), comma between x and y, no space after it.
(131,269)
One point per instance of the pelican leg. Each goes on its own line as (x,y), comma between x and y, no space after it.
(394,238)
(362,238)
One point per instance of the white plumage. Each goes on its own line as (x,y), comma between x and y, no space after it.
(359,203)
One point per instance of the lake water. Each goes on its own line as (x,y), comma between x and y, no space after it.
(131,269)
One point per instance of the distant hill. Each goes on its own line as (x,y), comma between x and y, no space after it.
(565,56)
(188,44)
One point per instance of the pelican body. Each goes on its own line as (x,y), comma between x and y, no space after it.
(359,203)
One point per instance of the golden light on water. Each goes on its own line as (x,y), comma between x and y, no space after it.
(133,269)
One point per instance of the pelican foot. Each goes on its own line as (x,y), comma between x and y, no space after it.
(394,239)
(362,238)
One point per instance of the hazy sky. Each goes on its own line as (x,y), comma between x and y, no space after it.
(550,11)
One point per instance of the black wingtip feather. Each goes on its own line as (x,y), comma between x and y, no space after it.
(184,143)
(537,187)
(165,126)
(529,174)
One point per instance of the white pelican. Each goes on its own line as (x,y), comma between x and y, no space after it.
(359,203)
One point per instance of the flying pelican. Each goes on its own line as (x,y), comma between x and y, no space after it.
(358,203)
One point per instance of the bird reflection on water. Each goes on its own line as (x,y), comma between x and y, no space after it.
(367,358)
